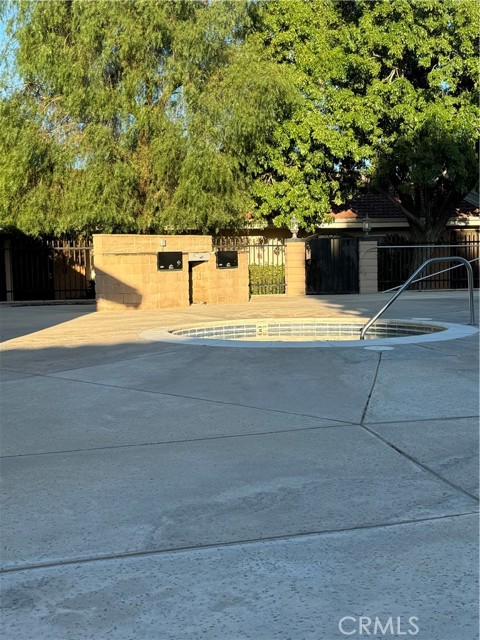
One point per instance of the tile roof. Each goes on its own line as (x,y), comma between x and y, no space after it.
(466,208)
(376,205)
(379,206)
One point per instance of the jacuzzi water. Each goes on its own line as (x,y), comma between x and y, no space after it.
(304,329)
(308,332)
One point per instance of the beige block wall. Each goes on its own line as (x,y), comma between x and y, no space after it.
(295,267)
(368,266)
(127,275)
(221,286)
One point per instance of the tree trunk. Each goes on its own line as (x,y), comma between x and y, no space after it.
(431,235)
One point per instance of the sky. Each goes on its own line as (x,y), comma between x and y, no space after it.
(3,25)
(6,54)
(3,35)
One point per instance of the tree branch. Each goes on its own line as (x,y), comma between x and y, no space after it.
(410,216)
(413,220)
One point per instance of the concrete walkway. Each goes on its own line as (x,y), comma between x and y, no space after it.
(156,491)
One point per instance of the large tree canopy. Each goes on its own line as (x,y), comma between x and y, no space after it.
(144,115)
(389,97)
(133,115)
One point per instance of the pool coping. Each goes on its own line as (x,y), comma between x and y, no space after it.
(451,331)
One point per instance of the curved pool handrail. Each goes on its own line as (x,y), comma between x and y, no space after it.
(464,261)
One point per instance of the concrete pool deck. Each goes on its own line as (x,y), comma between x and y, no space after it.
(156,491)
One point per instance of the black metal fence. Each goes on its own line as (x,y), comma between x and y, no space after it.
(266,261)
(397,261)
(45,270)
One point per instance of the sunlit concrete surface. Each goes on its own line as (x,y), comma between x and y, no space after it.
(159,491)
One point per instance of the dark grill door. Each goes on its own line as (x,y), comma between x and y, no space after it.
(332,265)
(32,273)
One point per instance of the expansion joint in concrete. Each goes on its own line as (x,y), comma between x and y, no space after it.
(420,464)
(185,441)
(199,399)
(372,388)
(234,543)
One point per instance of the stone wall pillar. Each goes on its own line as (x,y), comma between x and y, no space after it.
(368,265)
(295,267)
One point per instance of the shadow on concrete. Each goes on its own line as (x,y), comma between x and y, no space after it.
(21,319)
(52,359)
(137,446)
(25,318)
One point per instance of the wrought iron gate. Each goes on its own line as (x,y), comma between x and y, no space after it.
(266,267)
(331,265)
(266,261)
(45,270)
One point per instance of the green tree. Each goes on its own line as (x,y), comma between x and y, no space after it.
(387,95)
(133,116)
(145,116)
(298,173)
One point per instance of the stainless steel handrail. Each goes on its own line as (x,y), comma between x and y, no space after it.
(468,266)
